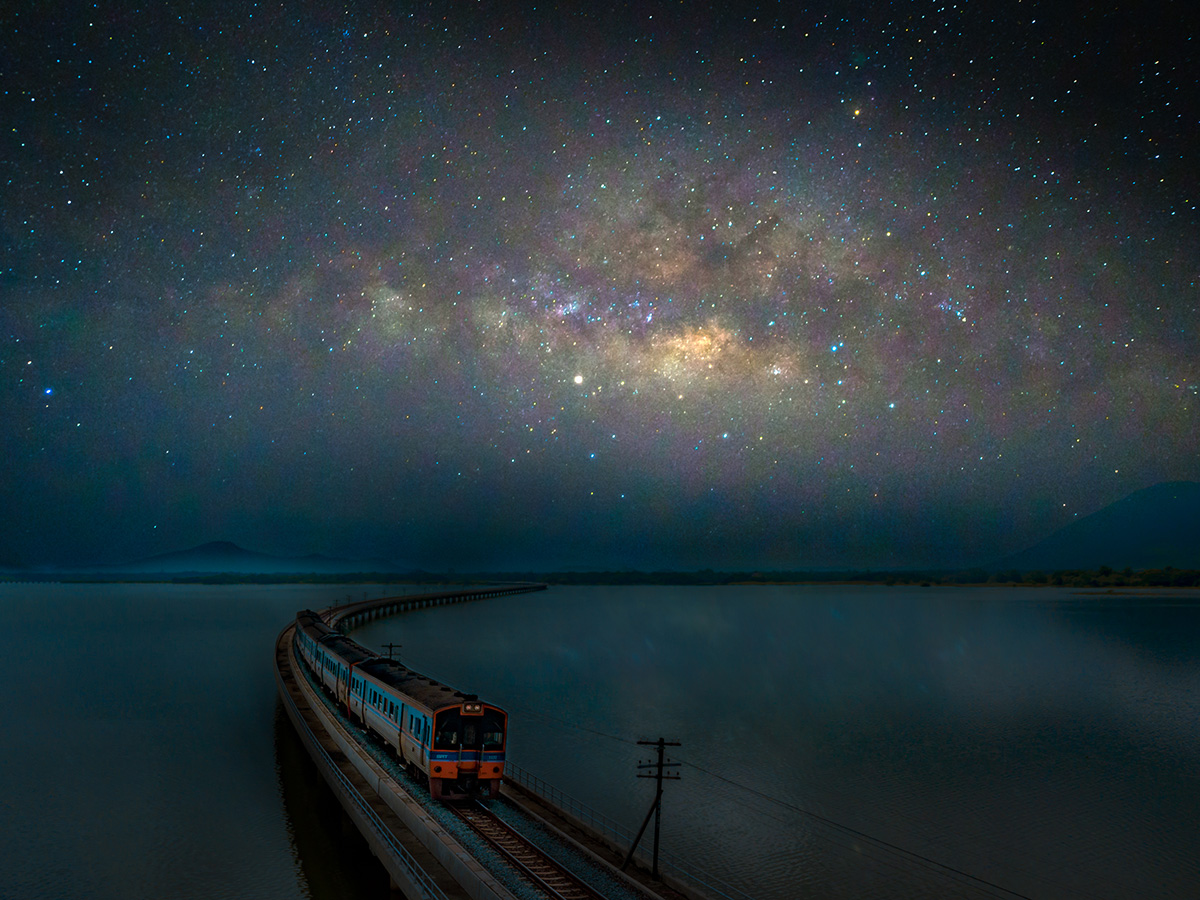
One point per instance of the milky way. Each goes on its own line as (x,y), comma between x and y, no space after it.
(648,288)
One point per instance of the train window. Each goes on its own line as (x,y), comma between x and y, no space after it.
(445,736)
(493,731)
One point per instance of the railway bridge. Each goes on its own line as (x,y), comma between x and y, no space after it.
(533,843)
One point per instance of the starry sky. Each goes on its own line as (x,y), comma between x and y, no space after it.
(677,285)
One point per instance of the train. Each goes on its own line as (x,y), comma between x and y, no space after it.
(452,740)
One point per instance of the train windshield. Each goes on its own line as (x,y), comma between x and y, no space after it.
(491,726)
(446,732)
(454,730)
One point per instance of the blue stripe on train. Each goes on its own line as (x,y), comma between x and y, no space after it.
(466,756)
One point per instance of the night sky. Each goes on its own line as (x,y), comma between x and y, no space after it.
(631,286)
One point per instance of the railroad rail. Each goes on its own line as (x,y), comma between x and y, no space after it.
(375,821)
(514,862)
(546,874)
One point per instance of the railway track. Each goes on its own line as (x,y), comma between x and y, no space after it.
(547,875)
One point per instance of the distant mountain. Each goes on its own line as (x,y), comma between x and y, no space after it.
(227,557)
(1152,528)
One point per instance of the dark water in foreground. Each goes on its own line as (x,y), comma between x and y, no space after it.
(1045,741)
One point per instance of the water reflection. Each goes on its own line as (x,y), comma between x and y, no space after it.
(1043,740)
(139,744)
(334,858)
(1034,739)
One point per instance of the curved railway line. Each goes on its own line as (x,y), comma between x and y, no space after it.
(541,870)
(418,838)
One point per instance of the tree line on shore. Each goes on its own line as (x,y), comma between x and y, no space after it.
(1103,577)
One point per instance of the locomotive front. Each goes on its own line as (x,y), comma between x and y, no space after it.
(467,757)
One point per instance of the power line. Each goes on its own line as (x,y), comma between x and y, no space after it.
(901,851)
(911,854)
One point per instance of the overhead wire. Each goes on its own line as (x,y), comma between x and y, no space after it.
(953,873)
(904,853)
(880,842)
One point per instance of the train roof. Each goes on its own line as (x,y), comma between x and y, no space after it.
(429,692)
(347,648)
(307,620)
(426,691)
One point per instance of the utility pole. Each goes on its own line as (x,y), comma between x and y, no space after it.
(390,647)
(656,807)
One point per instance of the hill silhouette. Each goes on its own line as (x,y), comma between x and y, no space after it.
(1152,528)
(228,557)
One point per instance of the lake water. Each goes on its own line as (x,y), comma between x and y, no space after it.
(837,742)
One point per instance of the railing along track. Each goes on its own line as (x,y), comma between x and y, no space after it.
(548,875)
(305,719)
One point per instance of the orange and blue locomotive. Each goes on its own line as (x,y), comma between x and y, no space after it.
(453,740)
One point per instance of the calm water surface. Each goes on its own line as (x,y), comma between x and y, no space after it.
(1045,741)
(142,754)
